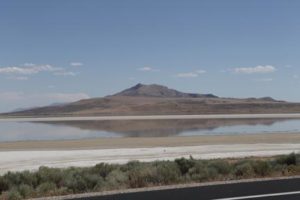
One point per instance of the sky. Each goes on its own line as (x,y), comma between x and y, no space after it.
(62,51)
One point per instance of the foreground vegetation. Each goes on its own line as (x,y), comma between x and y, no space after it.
(102,177)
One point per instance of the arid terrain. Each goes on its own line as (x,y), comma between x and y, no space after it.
(160,100)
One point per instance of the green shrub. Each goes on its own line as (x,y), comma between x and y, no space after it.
(290,159)
(51,181)
(199,172)
(185,164)
(100,186)
(26,190)
(29,178)
(75,182)
(103,169)
(46,174)
(91,180)
(222,167)
(167,172)
(116,180)
(244,170)
(13,194)
(4,185)
(262,168)
(46,188)
(141,177)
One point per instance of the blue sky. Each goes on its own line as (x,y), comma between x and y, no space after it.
(58,51)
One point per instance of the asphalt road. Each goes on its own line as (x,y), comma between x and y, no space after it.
(286,189)
(153,117)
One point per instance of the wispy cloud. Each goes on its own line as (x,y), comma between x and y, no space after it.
(201,71)
(65,73)
(264,80)
(296,76)
(190,74)
(148,69)
(18,78)
(76,64)
(28,69)
(22,72)
(260,69)
(187,75)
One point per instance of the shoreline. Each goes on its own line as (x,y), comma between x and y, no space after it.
(150,117)
(32,160)
(150,142)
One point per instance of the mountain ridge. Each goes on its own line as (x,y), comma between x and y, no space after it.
(156,99)
(155,90)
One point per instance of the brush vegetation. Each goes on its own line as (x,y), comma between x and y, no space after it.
(104,177)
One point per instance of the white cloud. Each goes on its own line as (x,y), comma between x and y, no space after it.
(23,72)
(148,69)
(145,69)
(200,71)
(296,76)
(264,80)
(187,75)
(190,74)
(258,69)
(28,70)
(29,64)
(18,78)
(76,64)
(65,73)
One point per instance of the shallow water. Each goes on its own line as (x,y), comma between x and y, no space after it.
(66,130)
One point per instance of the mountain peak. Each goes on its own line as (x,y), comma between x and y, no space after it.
(155,90)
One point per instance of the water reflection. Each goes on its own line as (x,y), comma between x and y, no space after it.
(157,128)
(65,130)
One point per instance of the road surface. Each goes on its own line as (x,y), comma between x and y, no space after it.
(280,189)
(153,117)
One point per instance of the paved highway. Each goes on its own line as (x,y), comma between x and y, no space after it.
(283,189)
(153,117)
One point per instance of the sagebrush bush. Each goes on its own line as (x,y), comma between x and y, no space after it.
(185,164)
(167,172)
(26,190)
(102,177)
(244,170)
(262,168)
(290,159)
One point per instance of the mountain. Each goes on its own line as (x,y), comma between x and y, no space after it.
(30,108)
(160,100)
(155,90)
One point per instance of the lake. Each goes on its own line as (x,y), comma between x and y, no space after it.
(67,130)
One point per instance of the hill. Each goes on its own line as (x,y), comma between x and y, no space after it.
(160,100)
(155,90)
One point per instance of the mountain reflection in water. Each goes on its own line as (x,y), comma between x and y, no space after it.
(159,128)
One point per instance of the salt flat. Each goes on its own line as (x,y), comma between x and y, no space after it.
(32,160)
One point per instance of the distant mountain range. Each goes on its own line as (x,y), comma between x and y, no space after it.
(160,100)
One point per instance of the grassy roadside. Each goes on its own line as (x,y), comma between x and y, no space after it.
(104,177)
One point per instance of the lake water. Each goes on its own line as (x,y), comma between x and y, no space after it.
(66,130)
